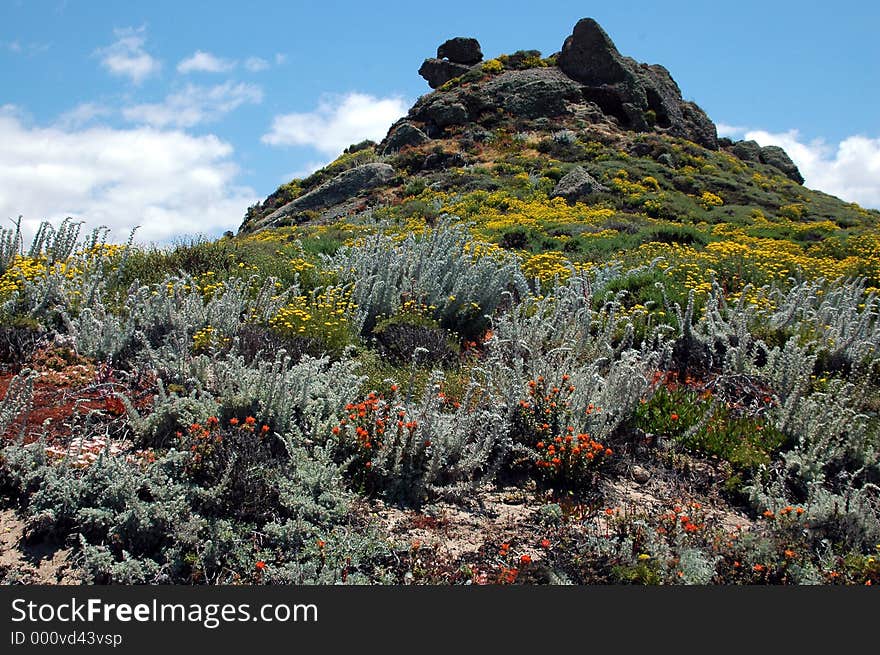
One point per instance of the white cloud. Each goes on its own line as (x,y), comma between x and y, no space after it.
(256,64)
(168,182)
(204,62)
(337,122)
(849,170)
(81,115)
(194,105)
(126,56)
(730,131)
(280,58)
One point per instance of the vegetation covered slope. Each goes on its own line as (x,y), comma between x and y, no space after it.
(544,348)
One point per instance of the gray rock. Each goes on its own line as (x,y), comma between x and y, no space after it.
(589,56)
(666,159)
(641,475)
(576,184)
(461,50)
(747,151)
(778,158)
(530,93)
(439,111)
(639,96)
(334,191)
(403,135)
(438,72)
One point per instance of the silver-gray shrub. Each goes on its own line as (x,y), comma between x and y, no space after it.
(303,400)
(436,268)
(77,273)
(10,245)
(833,467)
(562,334)
(841,315)
(57,244)
(448,453)
(175,308)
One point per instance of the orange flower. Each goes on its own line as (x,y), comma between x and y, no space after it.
(264,429)
(545,543)
(758,568)
(393,387)
(261,565)
(321,543)
(673,416)
(609,512)
(212,421)
(233,421)
(525,560)
(768,514)
(608,452)
(789,553)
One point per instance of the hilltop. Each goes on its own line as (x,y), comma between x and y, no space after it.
(550,329)
(584,112)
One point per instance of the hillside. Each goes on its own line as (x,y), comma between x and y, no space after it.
(550,329)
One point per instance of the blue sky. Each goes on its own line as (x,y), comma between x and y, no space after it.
(178,115)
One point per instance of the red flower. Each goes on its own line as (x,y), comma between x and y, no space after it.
(545,543)
(525,560)
(261,565)
(673,416)
(250,420)
(233,421)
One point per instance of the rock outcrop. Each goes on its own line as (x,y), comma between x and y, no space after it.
(401,135)
(639,96)
(461,50)
(455,57)
(576,185)
(589,71)
(438,72)
(334,191)
(747,151)
(778,158)
(775,156)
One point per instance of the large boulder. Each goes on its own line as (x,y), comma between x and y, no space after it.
(438,72)
(529,93)
(402,135)
(461,50)
(437,111)
(640,96)
(747,151)
(589,56)
(333,192)
(576,185)
(778,158)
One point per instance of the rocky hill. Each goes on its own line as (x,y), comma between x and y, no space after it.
(568,113)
